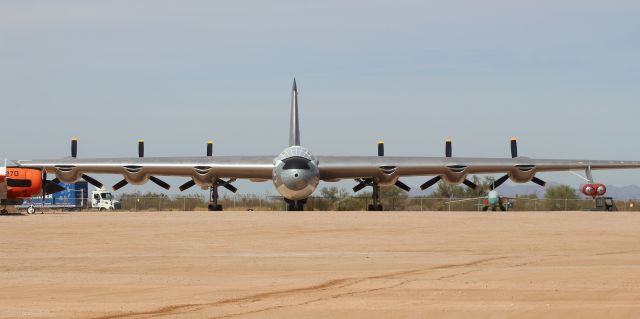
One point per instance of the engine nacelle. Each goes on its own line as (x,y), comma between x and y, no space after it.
(455,175)
(522,173)
(593,190)
(388,176)
(67,174)
(203,176)
(135,175)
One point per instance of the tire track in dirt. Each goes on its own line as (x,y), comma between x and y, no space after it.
(345,294)
(251,298)
(336,296)
(331,284)
(624,252)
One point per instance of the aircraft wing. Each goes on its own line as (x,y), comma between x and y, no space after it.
(241,167)
(332,168)
(338,167)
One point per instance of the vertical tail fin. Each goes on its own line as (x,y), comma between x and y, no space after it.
(294,130)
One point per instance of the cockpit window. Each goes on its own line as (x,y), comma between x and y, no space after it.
(296,163)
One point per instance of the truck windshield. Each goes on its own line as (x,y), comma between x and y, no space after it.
(106,196)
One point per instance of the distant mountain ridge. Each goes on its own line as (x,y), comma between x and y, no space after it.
(511,190)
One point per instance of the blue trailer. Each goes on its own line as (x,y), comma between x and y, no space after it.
(74,197)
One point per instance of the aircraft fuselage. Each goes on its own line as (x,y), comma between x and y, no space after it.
(295,173)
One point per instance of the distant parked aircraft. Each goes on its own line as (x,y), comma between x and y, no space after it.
(493,201)
(17,183)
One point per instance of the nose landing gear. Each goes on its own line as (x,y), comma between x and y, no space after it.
(295,205)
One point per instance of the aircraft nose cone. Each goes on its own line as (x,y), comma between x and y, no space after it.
(294,179)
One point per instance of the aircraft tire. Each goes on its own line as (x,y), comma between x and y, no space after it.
(215,208)
(31,210)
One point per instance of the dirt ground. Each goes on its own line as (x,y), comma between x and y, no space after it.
(321,265)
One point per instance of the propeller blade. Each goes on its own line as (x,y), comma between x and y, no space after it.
(160,182)
(359,187)
(52,188)
(90,180)
(499,182)
(470,184)
(448,149)
(514,148)
(187,185)
(210,148)
(74,147)
(44,184)
(430,182)
(403,186)
(140,148)
(381,148)
(227,185)
(120,184)
(55,180)
(539,181)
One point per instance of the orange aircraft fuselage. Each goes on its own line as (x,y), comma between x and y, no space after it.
(22,182)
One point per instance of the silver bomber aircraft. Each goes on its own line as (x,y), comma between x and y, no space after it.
(296,172)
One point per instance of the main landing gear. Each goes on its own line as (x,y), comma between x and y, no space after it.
(4,210)
(494,208)
(375,196)
(213,192)
(295,205)
(213,198)
(376,206)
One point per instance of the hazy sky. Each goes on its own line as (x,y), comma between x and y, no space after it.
(563,76)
